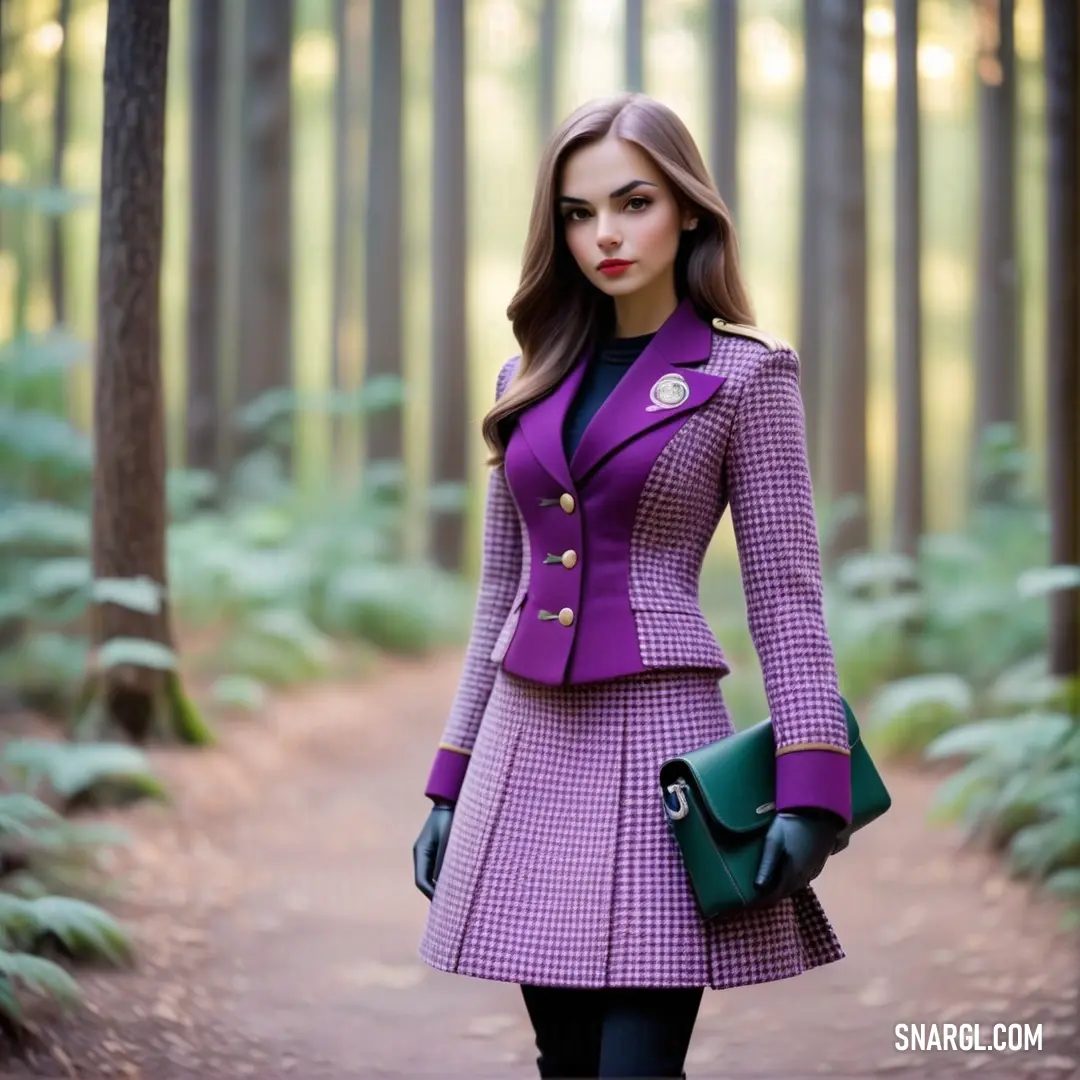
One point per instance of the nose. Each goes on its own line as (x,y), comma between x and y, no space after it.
(607,236)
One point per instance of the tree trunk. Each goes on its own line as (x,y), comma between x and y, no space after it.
(549,37)
(133,682)
(909,496)
(812,237)
(350,111)
(383,272)
(997,385)
(449,346)
(266,213)
(634,44)
(724,97)
(230,227)
(207,32)
(340,280)
(60,134)
(349,342)
(1062,60)
(843,212)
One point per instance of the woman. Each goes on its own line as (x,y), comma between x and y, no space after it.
(641,406)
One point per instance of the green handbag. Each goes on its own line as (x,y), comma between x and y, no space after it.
(719,801)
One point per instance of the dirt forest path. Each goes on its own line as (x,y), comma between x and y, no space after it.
(277,925)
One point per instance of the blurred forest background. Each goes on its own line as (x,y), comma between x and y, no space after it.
(267,470)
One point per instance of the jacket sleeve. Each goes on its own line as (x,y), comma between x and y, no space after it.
(772,510)
(500,573)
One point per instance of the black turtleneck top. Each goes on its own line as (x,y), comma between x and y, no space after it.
(605,370)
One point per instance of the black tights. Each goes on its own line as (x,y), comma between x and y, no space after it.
(611,1033)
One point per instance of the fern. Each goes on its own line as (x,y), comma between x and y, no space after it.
(85,930)
(957,640)
(278,646)
(10,1007)
(34,919)
(1014,742)
(1065,882)
(1019,787)
(971,603)
(75,770)
(46,668)
(41,851)
(239,692)
(907,714)
(1027,684)
(1041,848)
(45,587)
(21,815)
(136,594)
(40,976)
(36,527)
(405,609)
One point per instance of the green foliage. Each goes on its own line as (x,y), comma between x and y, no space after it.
(43,855)
(84,930)
(1019,787)
(287,578)
(950,648)
(279,646)
(81,773)
(270,417)
(284,574)
(289,573)
(36,974)
(239,692)
(37,528)
(912,711)
(135,652)
(45,668)
(969,609)
(46,860)
(45,473)
(409,610)
(42,456)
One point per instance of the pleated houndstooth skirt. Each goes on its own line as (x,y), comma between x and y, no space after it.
(561,869)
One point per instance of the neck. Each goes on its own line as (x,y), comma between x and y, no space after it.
(645,311)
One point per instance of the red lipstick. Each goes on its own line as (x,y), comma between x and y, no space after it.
(614,267)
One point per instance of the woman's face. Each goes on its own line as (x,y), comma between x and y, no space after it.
(622,222)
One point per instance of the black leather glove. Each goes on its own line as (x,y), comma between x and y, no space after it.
(796,847)
(430,847)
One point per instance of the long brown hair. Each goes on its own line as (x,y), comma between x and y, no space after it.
(556,312)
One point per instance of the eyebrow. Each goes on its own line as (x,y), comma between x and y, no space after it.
(617,193)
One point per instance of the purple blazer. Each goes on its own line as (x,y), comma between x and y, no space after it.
(591,566)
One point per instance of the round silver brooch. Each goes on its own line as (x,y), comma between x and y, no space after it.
(668,392)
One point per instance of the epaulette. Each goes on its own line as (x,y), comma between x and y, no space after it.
(773,344)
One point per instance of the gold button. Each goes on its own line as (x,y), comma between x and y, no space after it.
(566,501)
(566,616)
(569,558)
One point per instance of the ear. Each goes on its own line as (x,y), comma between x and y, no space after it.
(689,223)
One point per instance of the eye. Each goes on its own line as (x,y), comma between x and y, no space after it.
(637,202)
(570,214)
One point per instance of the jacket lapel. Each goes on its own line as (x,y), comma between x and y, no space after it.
(657,388)
(541,425)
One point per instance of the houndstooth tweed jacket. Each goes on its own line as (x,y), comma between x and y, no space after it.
(591,567)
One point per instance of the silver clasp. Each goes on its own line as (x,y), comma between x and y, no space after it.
(682,808)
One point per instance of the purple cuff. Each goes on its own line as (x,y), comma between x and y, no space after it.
(447,775)
(814,778)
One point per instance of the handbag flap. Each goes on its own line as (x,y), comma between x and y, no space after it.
(735,777)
